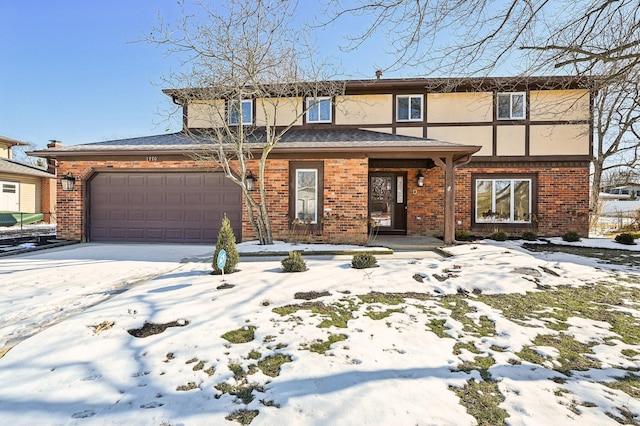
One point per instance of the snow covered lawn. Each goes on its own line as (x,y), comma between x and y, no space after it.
(492,334)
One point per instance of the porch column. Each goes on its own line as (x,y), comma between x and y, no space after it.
(447,165)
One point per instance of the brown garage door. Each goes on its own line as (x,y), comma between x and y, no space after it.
(162,207)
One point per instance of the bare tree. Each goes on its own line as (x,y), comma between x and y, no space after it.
(21,153)
(474,37)
(237,56)
(616,140)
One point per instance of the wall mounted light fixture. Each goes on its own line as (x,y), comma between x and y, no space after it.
(250,180)
(68,182)
(420,179)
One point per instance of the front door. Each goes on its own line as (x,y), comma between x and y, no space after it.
(388,202)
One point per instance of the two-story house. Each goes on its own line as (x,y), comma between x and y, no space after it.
(412,156)
(26,192)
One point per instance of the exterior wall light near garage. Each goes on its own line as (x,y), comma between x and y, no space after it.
(420,179)
(250,180)
(68,182)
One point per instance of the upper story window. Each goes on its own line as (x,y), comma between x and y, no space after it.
(511,106)
(245,111)
(409,108)
(319,110)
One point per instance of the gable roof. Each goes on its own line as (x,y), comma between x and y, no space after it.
(12,142)
(330,140)
(18,168)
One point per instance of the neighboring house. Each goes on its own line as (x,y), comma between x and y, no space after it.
(415,156)
(624,192)
(24,188)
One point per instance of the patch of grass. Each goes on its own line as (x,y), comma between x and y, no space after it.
(269,403)
(199,366)
(209,371)
(596,302)
(268,339)
(238,372)
(528,354)
(271,364)
(629,352)
(383,298)
(189,386)
(629,384)
(626,417)
(378,315)
(242,391)
(460,310)
(241,335)
(481,399)
(336,314)
(439,328)
(244,417)
(457,348)
(571,353)
(323,346)
(481,364)
(254,355)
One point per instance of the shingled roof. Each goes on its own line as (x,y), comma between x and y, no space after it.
(301,140)
(17,168)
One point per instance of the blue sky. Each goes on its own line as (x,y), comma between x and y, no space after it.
(73,71)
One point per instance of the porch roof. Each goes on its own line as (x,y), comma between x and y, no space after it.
(349,140)
(16,168)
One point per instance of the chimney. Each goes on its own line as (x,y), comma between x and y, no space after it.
(53,143)
(52,163)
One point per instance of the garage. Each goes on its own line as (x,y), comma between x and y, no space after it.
(176,207)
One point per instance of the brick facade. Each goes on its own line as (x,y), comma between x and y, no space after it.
(561,200)
(345,215)
(48,199)
(345,197)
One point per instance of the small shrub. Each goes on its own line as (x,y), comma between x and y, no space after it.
(529,236)
(625,238)
(363,261)
(571,236)
(294,263)
(226,241)
(499,236)
(462,235)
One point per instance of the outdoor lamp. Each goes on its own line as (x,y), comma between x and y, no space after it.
(68,182)
(250,181)
(420,179)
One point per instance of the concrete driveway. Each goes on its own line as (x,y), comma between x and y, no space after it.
(41,288)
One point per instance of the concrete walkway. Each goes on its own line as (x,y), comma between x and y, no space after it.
(407,243)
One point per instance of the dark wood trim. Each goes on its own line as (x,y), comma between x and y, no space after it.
(387,163)
(524,161)
(319,166)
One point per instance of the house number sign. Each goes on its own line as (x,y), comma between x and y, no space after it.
(152,158)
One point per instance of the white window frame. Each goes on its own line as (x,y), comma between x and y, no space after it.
(409,98)
(493,219)
(511,95)
(233,105)
(314,104)
(297,191)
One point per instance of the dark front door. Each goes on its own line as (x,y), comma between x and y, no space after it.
(388,202)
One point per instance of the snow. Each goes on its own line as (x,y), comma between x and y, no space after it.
(390,371)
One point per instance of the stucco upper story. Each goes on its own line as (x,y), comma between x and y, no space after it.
(534,117)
